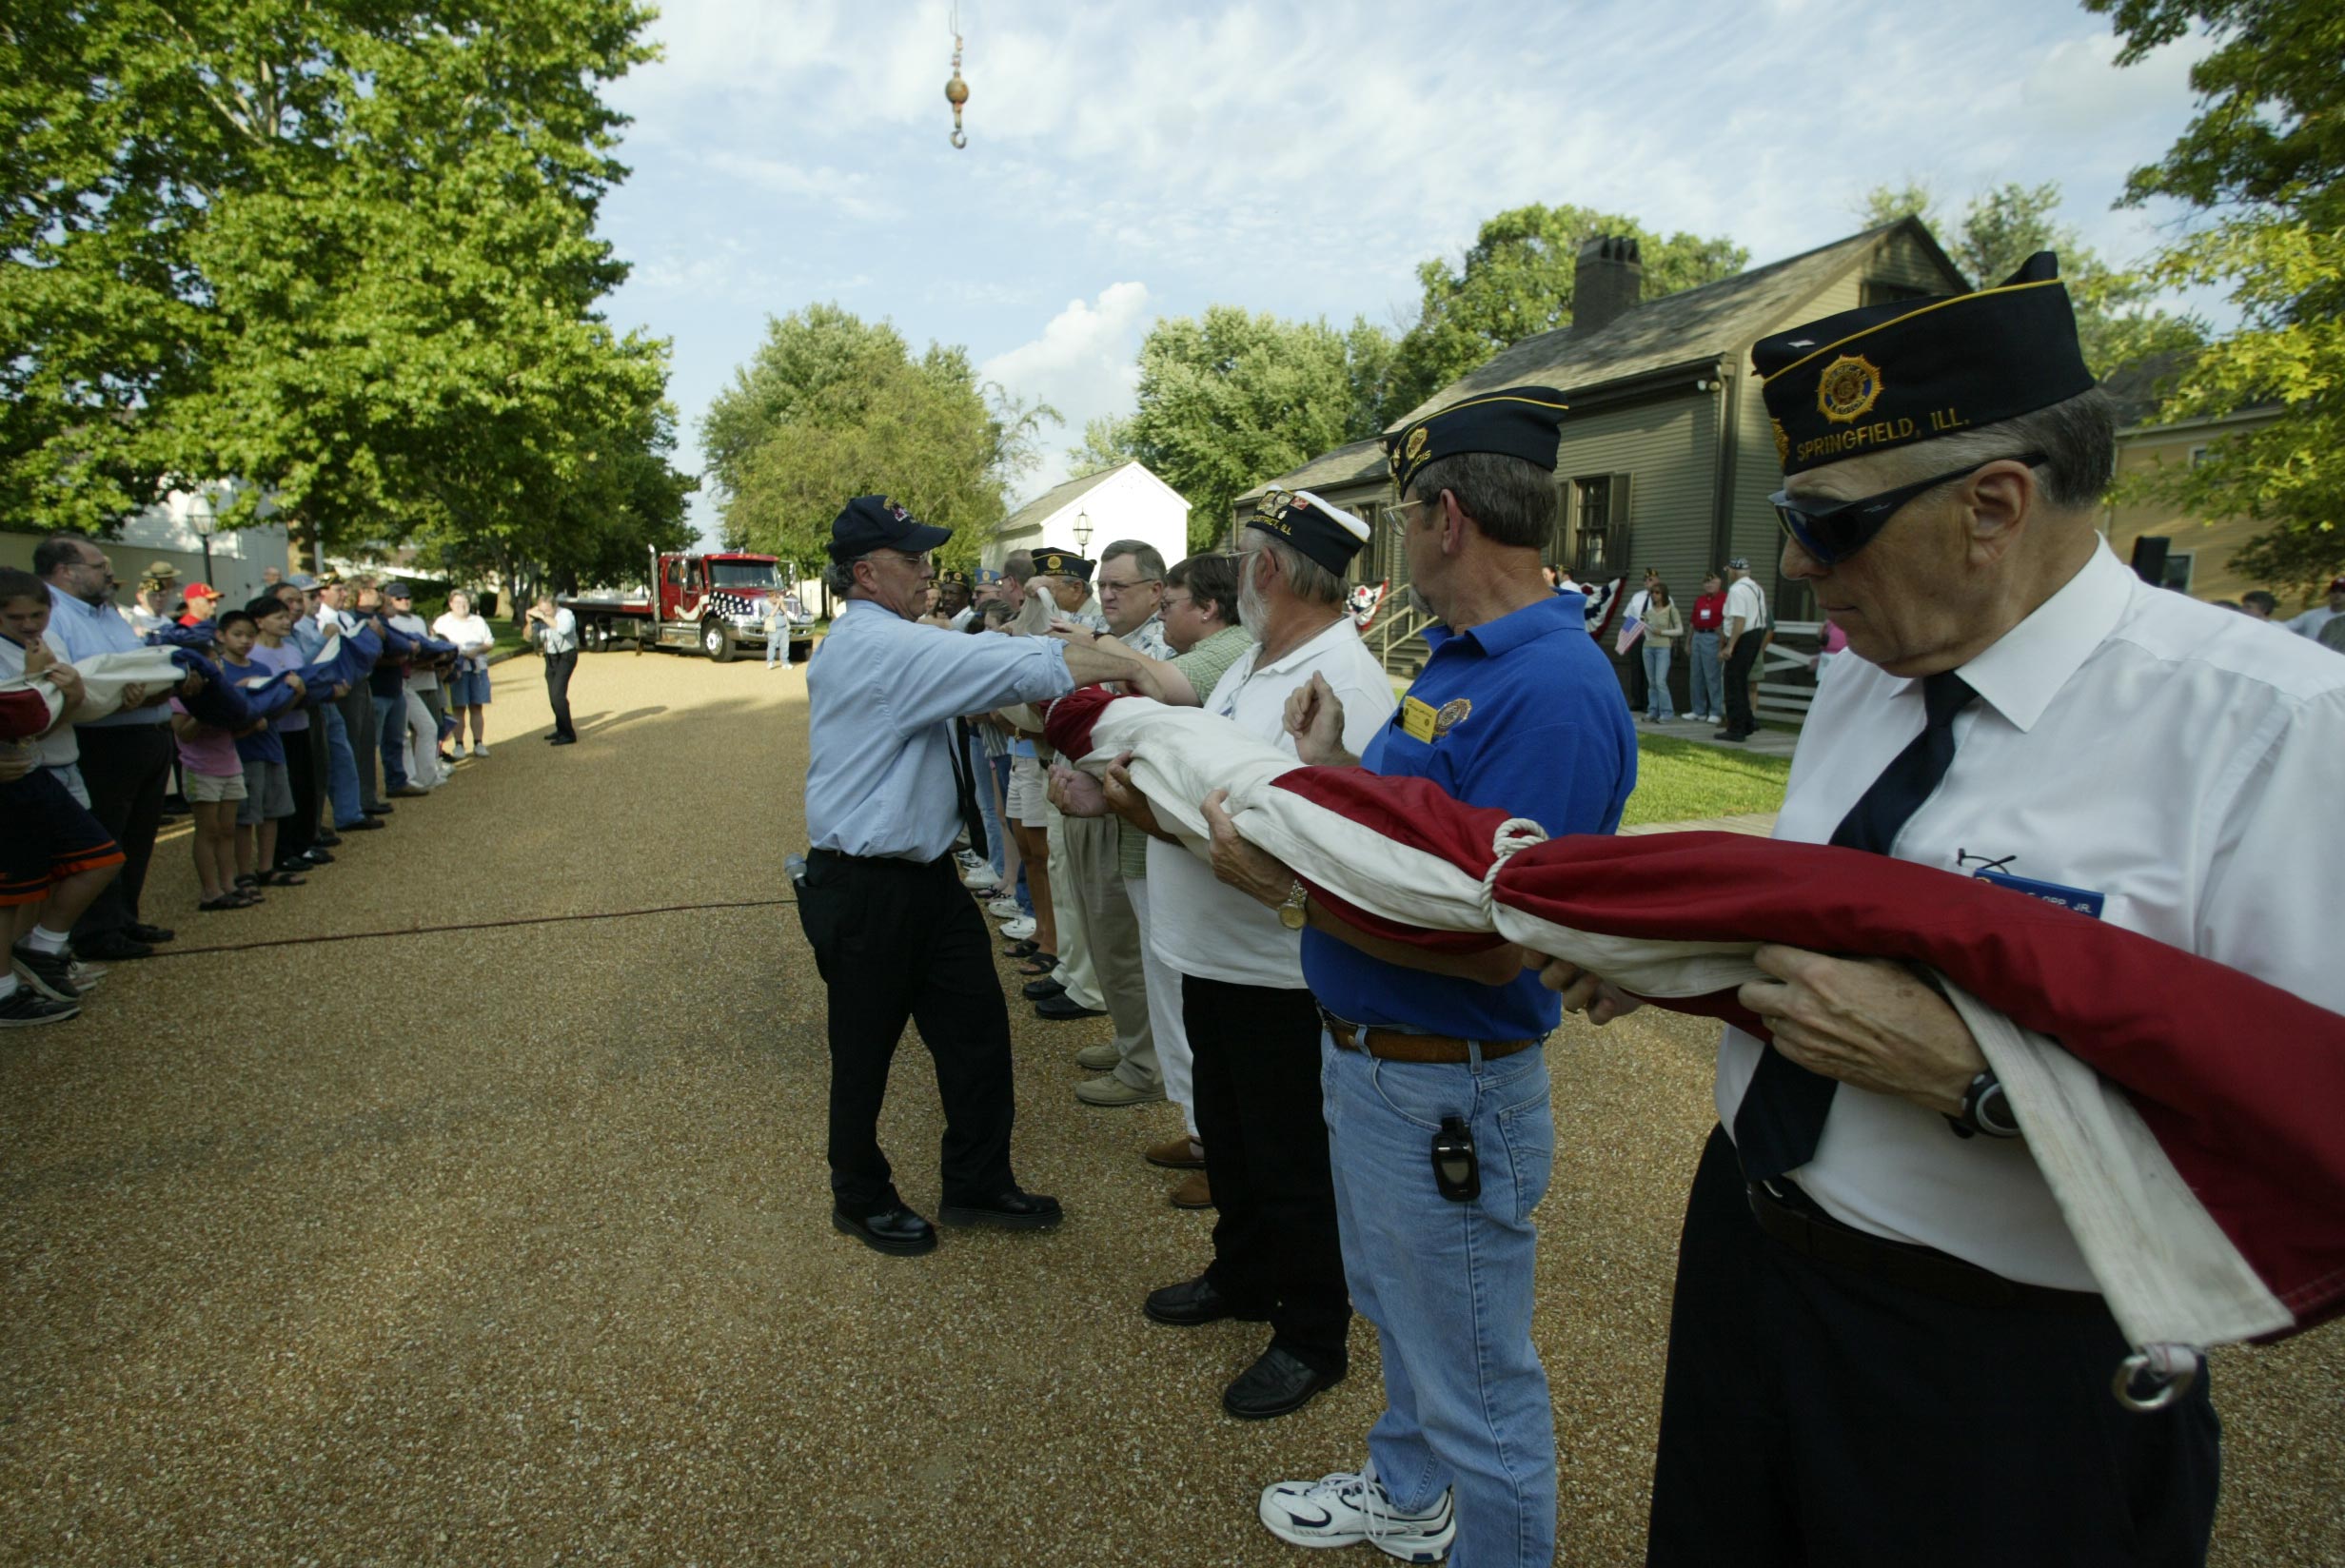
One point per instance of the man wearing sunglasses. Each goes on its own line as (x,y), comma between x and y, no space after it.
(1880,1302)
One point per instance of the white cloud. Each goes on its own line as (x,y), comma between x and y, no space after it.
(1083,364)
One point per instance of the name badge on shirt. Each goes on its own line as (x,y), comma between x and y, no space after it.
(2082,900)
(1417,718)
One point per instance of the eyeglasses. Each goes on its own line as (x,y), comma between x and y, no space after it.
(1109,586)
(1396,513)
(1832,534)
(920,560)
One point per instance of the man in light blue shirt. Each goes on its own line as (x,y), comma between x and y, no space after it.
(893,932)
(126,759)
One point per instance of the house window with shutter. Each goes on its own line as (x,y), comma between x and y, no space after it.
(1600,541)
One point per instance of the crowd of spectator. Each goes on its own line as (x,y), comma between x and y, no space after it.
(280,726)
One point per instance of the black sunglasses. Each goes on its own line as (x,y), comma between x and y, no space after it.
(1832,534)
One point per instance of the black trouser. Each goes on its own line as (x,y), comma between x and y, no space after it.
(897,940)
(1275,1248)
(1640,686)
(557,668)
(125,766)
(358,720)
(304,770)
(1815,1415)
(1739,720)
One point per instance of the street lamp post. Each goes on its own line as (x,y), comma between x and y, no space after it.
(1082,530)
(201,519)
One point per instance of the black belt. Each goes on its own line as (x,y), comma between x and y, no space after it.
(883,862)
(1790,1217)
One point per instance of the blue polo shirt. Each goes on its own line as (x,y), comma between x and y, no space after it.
(1531,719)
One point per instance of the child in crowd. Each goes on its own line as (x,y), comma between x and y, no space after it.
(268,789)
(24,625)
(275,651)
(215,783)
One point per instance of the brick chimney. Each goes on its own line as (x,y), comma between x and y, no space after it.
(1607,284)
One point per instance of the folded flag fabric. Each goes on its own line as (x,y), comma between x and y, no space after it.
(2185,1113)
(107,678)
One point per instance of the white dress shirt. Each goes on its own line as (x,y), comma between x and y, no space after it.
(1198,925)
(1745,600)
(2175,758)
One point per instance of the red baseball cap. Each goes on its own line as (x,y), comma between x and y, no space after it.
(202,590)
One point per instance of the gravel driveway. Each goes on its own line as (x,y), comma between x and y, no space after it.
(510,1247)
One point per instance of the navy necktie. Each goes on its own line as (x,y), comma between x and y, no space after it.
(1781,1115)
(965,789)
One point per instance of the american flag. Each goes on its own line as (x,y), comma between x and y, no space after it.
(725,602)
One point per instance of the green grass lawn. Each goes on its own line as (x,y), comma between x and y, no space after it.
(1680,780)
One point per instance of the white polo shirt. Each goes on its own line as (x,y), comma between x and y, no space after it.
(2176,759)
(1197,924)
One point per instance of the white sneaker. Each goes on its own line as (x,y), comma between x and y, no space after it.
(1018,929)
(479,749)
(1344,1509)
(1003,908)
(981,877)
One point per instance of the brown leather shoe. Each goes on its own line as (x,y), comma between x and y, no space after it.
(1181,1153)
(1194,1192)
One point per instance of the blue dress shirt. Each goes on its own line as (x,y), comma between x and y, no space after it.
(884,691)
(89,629)
(1544,734)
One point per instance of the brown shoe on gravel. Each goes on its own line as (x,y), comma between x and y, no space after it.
(1194,1192)
(1181,1153)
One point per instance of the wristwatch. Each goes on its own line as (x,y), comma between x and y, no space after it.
(1985,1109)
(1291,914)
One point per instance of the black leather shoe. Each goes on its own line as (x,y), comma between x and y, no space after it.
(112,947)
(366,824)
(895,1231)
(1061,1009)
(314,857)
(1043,990)
(1275,1385)
(1194,1301)
(140,932)
(565,740)
(325,842)
(1022,950)
(381,811)
(1010,1210)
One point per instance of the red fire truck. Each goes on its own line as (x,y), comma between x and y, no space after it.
(715,603)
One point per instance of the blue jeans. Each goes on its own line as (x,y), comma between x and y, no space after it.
(340,768)
(998,769)
(1706,683)
(776,647)
(981,772)
(391,738)
(1657,701)
(1448,1286)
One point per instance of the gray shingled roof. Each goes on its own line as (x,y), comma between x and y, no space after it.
(1697,323)
(1055,498)
(1361,460)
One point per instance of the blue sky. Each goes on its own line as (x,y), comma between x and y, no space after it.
(1128,161)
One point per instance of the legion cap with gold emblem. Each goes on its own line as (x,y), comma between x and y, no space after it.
(1886,375)
(1060,563)
(1518,422)
(953,579)
(1324,532)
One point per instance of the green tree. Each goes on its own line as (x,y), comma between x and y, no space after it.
(340,249)
(1518,280)
(1230,397)
(1108,443)
(2262,158)
(2116,323)
(831,407)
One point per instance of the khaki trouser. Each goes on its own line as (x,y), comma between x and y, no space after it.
(1075,969)
(1112,933)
